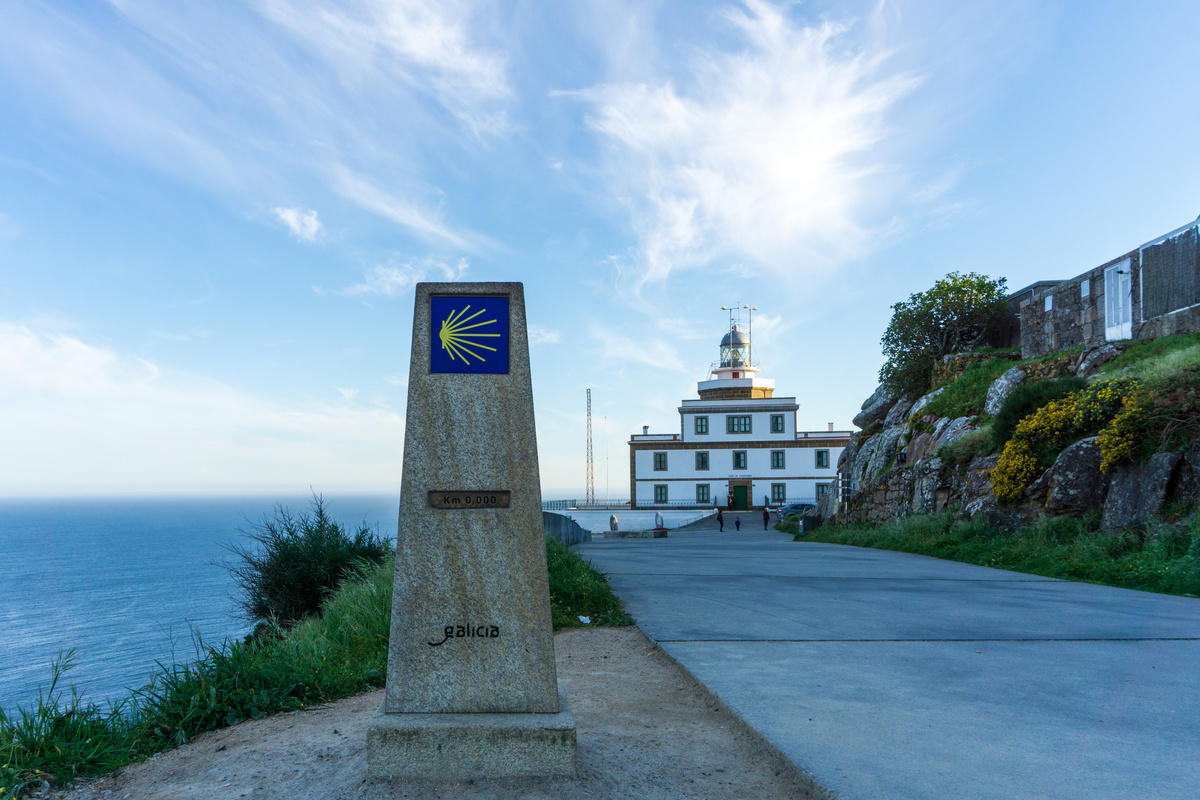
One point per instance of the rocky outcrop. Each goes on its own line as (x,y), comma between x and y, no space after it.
(1093,358)
(1074,483)
(898,413)
(875,408)
(1001,388)
(1137,492)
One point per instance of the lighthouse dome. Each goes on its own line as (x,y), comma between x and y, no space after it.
(735,337)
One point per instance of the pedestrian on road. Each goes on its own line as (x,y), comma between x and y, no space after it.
(737,523)
(766,518)
(721,519)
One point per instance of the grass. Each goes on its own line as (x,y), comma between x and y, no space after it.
(1162,558)
(965,396)
(1166,350)
(323,658)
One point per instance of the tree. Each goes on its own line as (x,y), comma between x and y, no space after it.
(955,315)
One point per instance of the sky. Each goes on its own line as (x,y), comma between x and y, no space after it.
(212,214)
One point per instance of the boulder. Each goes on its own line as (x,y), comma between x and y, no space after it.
(1137,491)
(875,408)
(1091,359)
(887,443)
(1001,388)
(899,413)
(978,482)
(1074,483)
(924,401)
(954,429)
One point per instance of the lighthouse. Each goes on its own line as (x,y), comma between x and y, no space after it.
(738,446)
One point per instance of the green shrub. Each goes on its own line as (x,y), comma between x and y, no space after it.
(1026,399)
(1140,356)
(294,562)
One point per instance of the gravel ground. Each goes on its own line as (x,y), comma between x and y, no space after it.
(645,730)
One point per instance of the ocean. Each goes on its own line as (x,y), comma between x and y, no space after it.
(126,583)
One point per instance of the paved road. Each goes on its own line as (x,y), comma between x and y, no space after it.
(889,675)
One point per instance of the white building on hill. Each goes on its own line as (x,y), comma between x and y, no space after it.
(737,447)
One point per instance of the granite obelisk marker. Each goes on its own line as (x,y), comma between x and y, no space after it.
(472,689)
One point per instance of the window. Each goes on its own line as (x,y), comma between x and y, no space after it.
(701,459)
(1049,302)
(737,424)
(822,489)
(739,459)
(776,459)
(660,493)
(823,459)
(778,492)
(702,425)
(1084,288)
(702,493)
(660,461)
(777,423)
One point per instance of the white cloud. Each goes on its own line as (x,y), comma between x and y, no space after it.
(389,280)
(304,225)
(767,153)
(80,416)
(347,394)
(540,334)
(621,350)
(257,99)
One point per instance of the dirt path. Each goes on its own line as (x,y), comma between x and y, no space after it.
(645,730)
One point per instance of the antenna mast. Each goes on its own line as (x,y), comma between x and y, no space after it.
(590,490)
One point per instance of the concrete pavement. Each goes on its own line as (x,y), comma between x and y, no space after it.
(890,675)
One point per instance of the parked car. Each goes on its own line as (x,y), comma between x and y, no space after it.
(794,509)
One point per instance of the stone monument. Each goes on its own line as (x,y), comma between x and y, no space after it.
(472,690)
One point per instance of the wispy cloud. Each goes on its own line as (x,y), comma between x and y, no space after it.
(257,100)
(766,153)
(302,224)
(620,349)
(540,334)
(347,394)
(84,415)
(394,279)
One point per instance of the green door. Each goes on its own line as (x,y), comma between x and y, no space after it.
(739,498)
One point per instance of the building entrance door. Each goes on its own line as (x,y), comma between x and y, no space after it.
(1118,302)
(739,498)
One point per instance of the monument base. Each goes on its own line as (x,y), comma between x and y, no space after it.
(472,746)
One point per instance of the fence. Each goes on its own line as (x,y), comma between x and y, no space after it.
(565,529)
(568,505)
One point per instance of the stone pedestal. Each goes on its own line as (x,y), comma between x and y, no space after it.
(472,690)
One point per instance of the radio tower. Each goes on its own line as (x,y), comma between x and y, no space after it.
(590,491)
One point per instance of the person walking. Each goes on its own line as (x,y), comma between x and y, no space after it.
(737,523)
(721,520)
(766,517)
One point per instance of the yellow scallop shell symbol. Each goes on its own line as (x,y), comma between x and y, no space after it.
(460,344)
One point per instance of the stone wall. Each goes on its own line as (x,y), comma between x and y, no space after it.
(1077,313)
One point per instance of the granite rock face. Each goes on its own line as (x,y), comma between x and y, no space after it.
(898,413)
(1074,483)
(1137,491)
(1001,388)
(875,408)
(923,401)
(1092,359)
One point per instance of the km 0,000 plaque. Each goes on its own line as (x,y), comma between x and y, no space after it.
(458,501)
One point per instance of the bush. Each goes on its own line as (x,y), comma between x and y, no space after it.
(956,314)
(294,563)
(1026,399)
(1038,439)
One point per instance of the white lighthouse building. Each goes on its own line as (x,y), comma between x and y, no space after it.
(738,446)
